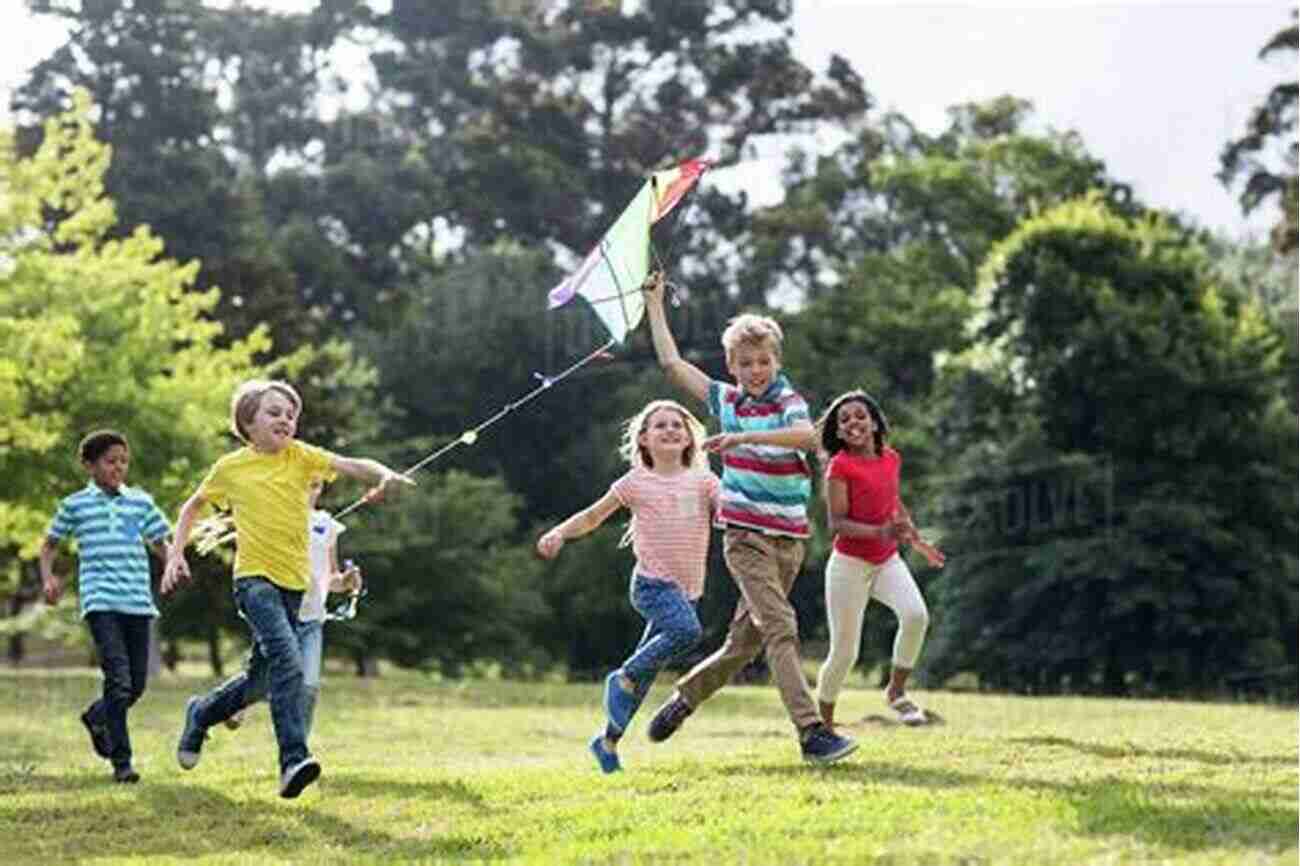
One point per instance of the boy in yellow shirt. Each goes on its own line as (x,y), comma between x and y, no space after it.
(265,486)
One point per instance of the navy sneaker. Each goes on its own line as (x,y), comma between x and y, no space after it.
(608,760)
(669,718)
(98,736)
(821,745)
(299,776)
(620,704)
(190,748)
(125,775)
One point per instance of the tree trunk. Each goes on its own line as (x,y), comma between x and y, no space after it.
(366,665)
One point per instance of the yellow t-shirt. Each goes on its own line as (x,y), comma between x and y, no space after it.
(267,497)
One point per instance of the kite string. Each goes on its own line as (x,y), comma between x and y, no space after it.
(469,437)
(217,531)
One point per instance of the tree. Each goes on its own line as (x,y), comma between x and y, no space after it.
(450,584)
(1134,427)
(97,331)
(1270,129)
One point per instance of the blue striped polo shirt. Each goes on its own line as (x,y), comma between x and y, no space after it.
(111,531)
(764,487)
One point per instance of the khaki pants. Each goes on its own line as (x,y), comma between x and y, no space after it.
(764,568)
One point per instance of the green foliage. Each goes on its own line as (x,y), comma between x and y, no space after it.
(1270,130)
(449,582)
(97,332)
(1121,526)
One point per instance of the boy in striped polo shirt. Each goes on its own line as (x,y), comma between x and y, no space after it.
(112,524)
(763,510)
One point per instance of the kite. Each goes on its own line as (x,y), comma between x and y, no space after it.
(610,277)
(609,280)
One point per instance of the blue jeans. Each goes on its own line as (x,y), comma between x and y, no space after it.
(311,645)
(672,628)
(274,665)
(122,644)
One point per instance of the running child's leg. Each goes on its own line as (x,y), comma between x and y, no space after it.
(896,589)
(848,587)
(311,643)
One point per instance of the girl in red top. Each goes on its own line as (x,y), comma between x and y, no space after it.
(869,521)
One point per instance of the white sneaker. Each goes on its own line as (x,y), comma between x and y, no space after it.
(299,776)
(908,713)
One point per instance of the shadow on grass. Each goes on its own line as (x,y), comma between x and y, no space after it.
(184,821)
(441,791)
(1179,815)
(1103,751)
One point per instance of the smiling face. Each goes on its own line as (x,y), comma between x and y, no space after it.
(855,426)
(274,423)
(109,469)
(754,366)
(665,438)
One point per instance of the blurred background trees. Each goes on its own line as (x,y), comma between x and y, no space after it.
(374,205)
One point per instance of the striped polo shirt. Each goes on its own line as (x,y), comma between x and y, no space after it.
(764,487)
(113,574)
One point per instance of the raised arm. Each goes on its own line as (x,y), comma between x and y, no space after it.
(681,373)
(578,525)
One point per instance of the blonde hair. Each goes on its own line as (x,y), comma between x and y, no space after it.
(638,455)
(631,449)
(750,329)
(248,399)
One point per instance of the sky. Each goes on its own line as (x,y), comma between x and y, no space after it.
(1155,88)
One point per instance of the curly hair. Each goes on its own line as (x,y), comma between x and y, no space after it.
(829,428)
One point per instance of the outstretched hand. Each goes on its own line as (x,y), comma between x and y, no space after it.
(379,492)
(720,442)
(548,546)
(906,533)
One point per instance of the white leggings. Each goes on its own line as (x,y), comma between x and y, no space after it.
(850,584)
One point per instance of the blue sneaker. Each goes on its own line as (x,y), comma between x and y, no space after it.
(190,748)
(608,760)
(821,745)
(620,704)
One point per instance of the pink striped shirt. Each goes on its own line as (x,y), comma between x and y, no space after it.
(672,518)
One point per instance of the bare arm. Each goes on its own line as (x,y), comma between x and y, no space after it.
(681,373)
(365,469)
(578,525)
(801,436)
(908,534)
(51,583)
(177,569)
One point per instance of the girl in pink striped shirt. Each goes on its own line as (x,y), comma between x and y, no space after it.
(672,496)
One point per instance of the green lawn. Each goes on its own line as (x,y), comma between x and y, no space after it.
(486,771)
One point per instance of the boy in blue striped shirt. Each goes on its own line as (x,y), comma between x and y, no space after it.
(763,509)
(112,525)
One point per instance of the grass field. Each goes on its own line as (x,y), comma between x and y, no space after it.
(484,771)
